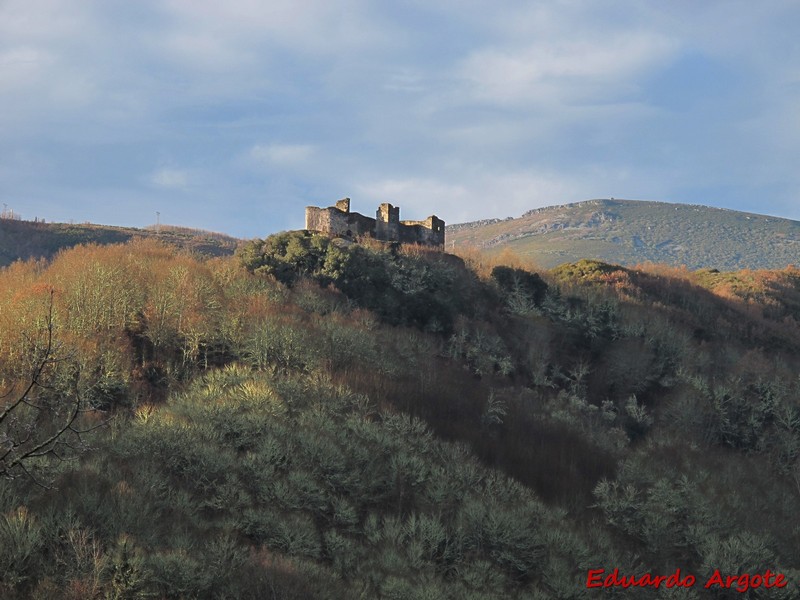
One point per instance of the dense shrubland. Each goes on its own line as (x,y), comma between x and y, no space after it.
(319,420)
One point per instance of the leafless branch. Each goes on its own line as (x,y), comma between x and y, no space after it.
(32,427)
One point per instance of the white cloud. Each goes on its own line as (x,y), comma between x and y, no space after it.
(170,178)
(477,196)
(564,70)
(405,80)
(63,66)
(306,26)
(42,21)
(281,155)
(204,51)
(21,67)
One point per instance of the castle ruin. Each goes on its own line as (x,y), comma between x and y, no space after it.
(386,226)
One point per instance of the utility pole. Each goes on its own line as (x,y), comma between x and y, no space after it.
(158,222)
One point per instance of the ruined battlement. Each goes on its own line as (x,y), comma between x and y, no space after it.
(386,226)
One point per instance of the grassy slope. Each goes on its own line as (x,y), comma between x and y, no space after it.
(631,232)
(27,239)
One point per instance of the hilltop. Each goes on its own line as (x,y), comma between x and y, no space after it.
(623,232)
(630,232)
(35,239)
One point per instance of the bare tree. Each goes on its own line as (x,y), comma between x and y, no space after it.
(38,420)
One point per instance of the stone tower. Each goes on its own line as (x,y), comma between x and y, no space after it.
(387,222)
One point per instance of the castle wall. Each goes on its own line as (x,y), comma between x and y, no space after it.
(361,226)
(429,232)
(317,219)
(339,221)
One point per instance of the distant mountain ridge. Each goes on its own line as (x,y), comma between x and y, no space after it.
(21,240)
(631,232)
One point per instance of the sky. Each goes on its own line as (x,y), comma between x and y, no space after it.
(233,116)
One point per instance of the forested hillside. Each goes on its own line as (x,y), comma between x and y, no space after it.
(318,419)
